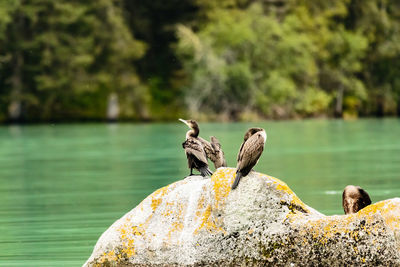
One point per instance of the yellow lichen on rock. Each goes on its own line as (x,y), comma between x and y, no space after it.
(223,178)
(107,257)
(162,191)
(201,221)
(128,232)
(201,206)
(177,211)
(389,211)
(176,227)
(157,196)
(328,226)
(155,202)
(127,235)
(222,181)
(353,226)
(208,222)
(295,201)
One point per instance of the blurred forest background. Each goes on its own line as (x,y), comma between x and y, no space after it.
(219,60)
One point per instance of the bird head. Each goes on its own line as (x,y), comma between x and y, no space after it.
(190,123)
(354,198)
(250,132)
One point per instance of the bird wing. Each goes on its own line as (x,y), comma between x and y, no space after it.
(216,145)
(195,147)
(218,153)
(240,154)
(208,149)
(250,152)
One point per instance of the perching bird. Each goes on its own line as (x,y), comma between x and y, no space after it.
(249,153)
(194,149)
(354,198)
(213,149)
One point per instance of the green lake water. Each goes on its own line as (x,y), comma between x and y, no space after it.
(61,186)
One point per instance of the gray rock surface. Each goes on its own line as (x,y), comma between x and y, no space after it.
(201,222)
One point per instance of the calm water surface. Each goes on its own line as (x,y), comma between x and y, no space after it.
(63,185)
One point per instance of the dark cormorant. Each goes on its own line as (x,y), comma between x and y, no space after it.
(249,152)
(354,198)
(194,149)
(213,149)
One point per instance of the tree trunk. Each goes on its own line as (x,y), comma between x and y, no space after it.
(380,110)
(112,107)
(15,106)
(339,102)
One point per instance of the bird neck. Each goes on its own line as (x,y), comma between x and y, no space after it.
(194,132)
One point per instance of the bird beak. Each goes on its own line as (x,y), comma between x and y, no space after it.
(185,122)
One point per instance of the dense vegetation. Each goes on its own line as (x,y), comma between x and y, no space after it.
(227,59)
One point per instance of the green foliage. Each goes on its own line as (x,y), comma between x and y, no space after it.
(273,61)
(314,102)
(229,59)
(300,59)
(74,55)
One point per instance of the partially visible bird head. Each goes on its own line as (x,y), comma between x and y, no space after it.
(192,124)
(354,198)
(250,132)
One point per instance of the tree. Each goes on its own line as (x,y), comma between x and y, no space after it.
(153,22)
(68,57)
(244,59)
(379,22)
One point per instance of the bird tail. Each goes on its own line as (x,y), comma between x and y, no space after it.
(205,171)
(237,180)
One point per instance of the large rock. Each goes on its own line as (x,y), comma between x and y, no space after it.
(199,221)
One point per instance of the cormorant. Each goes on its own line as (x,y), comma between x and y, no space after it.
(354,198)
(249,152)
(194,149)
(213,149)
